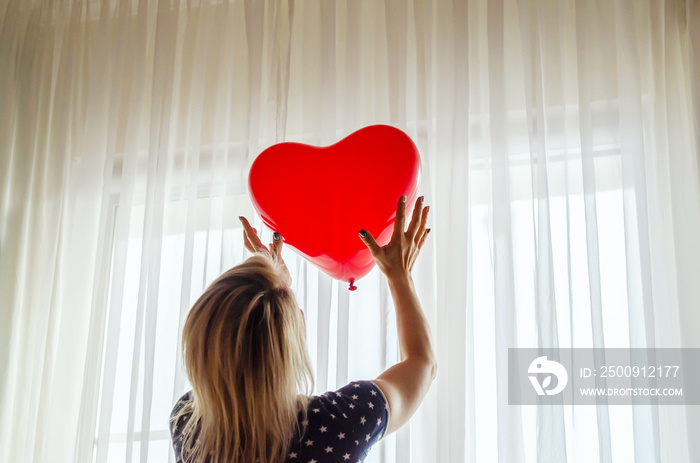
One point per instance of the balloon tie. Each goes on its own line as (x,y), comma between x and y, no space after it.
(352,287)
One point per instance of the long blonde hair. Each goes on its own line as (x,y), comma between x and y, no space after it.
(244,349)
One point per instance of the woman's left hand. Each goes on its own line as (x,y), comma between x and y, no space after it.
(253,244)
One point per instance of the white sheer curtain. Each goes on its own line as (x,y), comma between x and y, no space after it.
(560,153)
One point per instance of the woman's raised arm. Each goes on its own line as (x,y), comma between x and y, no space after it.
(406,383)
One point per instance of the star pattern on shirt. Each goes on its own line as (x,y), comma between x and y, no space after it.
(340,425)
(343,423)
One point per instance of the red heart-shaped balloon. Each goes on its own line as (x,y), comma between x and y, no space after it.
(319,198)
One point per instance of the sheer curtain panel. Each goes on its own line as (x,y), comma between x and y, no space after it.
(560,150)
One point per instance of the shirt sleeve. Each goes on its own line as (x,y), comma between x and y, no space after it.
(352,419)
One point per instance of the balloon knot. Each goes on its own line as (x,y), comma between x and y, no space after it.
(352,286)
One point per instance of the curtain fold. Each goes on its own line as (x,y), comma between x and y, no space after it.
(560,145)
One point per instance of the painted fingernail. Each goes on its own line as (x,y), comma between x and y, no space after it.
(363,233)
(421,198)
(276,236)
(427,231)
(403,198)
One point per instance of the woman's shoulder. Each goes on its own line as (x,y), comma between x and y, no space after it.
(181,402)
(357,393)
(346,421)
(177,417)
(359,399)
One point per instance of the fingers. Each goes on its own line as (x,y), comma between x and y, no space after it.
(246,225)
(276,246)
(400,222)
(250,235)
(423,222)
(368,239)
(246,242)
(419,245)
(424,236)
(416,218)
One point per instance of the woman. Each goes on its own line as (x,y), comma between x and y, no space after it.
(244,349)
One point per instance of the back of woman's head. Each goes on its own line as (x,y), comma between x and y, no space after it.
(245,354)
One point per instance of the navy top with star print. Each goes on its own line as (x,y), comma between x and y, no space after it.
(341,425)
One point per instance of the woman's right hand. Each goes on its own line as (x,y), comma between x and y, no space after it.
(396,259)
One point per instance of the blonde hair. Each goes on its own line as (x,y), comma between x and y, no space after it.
(244,349)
